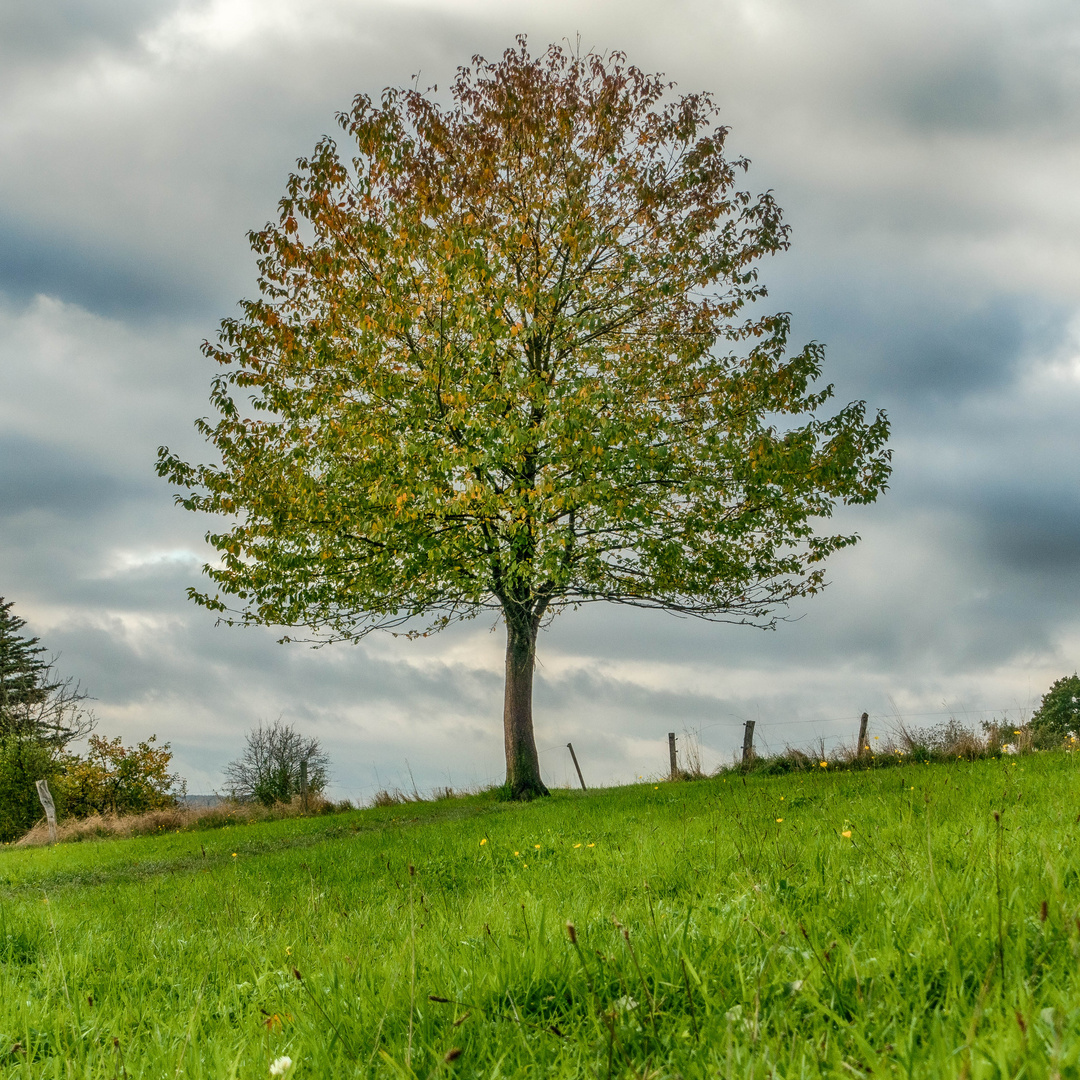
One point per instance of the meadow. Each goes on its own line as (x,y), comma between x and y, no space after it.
(919,921)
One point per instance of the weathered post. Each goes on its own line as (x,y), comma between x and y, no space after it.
(748,742)
(303,785)
(674,773)
(45,796)
(570,747)
(863,747)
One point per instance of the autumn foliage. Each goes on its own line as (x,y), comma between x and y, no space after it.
(117,779)
(500,360)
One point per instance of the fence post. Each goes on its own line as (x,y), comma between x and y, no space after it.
(303,785)
(748,742)
(45,795)
(673,775)
(863,721)
(570,747)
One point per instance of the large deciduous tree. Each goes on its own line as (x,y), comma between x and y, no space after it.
(500,360)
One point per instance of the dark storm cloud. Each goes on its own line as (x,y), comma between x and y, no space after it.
(97,274)
(911,343)
(37,475)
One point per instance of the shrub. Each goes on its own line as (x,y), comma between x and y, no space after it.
(1059,713)
(23,760)
(117,779)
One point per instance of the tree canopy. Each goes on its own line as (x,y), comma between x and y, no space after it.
(500,360)
(1058,713)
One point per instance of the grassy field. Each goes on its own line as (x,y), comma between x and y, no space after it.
(917,921)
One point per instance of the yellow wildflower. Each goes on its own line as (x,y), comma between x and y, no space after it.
(483,842)
(846,834)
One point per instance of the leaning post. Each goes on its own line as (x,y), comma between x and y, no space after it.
(570,747)
(862,748)
(673,774)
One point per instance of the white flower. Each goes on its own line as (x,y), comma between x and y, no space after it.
(1009,748)
(281,1066)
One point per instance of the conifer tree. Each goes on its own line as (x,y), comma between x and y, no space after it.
(23,674)
(34,703)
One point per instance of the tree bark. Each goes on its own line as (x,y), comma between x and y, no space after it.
(522,763)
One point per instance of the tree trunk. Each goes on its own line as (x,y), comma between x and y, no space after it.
(522,764)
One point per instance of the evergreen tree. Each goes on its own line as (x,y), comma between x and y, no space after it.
(23,674)
(34,703)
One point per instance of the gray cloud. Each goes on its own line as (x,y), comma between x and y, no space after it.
(926,158)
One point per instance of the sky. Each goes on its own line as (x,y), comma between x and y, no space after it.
(925,155)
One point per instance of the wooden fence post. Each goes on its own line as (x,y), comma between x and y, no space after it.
(570,747)
(863,721)
(748,742)
(303,785)
(671,755)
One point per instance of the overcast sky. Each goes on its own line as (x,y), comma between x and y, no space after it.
(927,157)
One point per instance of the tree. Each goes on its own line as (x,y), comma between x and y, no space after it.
(1058,714)
(118,779)
(40,714)
(269,767)
(499,361)
(34,702)
(22,671)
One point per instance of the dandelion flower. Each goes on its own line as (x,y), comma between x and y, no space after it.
(590,845)
(280,1066)
(517,852)
(483,842)
(537,846)
(234,854)
(778,820)
(824,764)
(846,834)
(577,845)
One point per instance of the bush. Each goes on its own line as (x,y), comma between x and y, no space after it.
(117,779)
(23,760)
(1059,713)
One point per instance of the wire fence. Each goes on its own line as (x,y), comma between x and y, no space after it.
(880,723)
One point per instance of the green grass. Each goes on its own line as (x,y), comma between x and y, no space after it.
(935,941)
